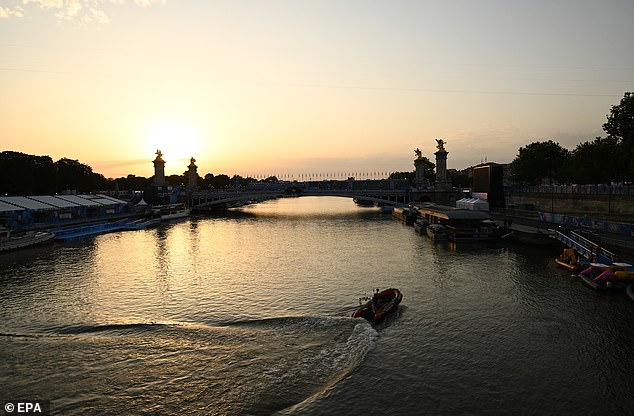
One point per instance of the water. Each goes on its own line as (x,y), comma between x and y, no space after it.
(249,315)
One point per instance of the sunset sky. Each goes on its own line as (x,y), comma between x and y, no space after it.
(291,86)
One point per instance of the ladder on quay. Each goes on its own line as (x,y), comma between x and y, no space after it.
(585,247)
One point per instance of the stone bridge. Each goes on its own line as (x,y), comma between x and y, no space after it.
(386,193)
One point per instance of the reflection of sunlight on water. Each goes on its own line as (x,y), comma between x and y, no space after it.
(308,207)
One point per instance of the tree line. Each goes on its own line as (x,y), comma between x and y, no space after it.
(24,174)
(604,160)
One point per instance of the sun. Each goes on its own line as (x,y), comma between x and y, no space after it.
(177,139)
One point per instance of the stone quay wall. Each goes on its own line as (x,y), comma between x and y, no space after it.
(619,206)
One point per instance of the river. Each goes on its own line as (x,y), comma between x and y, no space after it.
(249,314)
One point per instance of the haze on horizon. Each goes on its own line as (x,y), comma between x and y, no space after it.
(281,86)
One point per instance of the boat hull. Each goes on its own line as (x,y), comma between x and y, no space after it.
(566,265)
(601,285)
(436,233)
(475,237)
(405,215)
(28,240)
(175,215)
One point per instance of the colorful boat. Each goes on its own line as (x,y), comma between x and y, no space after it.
(602,277)
(381,303)
(569,259)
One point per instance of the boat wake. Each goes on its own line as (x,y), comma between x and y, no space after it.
(253,367)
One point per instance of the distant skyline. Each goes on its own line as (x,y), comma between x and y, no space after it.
(280,87)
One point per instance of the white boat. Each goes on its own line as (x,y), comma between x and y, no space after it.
(171,211)
(28,239)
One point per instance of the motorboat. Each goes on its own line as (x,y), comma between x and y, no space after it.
(379,305)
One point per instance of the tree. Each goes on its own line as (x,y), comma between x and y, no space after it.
(71,174)
(593,162)
(538,161)
(24,174)
(217,182)
(620,126)
(459,179)
(176,180)
(133,183)
(410,176)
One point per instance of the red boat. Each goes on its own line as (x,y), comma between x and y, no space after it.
(379,305)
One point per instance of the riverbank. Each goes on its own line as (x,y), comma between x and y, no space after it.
(622,245)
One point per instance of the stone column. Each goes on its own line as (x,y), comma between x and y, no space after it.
(192,174)
(419,163)
(159,170)
(442,182)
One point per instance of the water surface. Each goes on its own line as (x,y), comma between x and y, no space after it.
(249,314)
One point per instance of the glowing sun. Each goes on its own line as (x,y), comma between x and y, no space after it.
(178,140)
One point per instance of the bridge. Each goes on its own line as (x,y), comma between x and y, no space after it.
(383,192)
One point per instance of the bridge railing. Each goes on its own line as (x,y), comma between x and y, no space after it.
(585,247)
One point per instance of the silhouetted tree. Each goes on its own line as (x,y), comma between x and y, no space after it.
(459,179)
(538,161)
(410,176)
(23,174)
(71,174)
(217,182)
(176,180)
(133,183)
(594,162)
(620,127)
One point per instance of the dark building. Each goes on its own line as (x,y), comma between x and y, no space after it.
(488,184)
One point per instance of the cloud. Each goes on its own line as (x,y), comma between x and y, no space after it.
(15,11)
(77,11)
